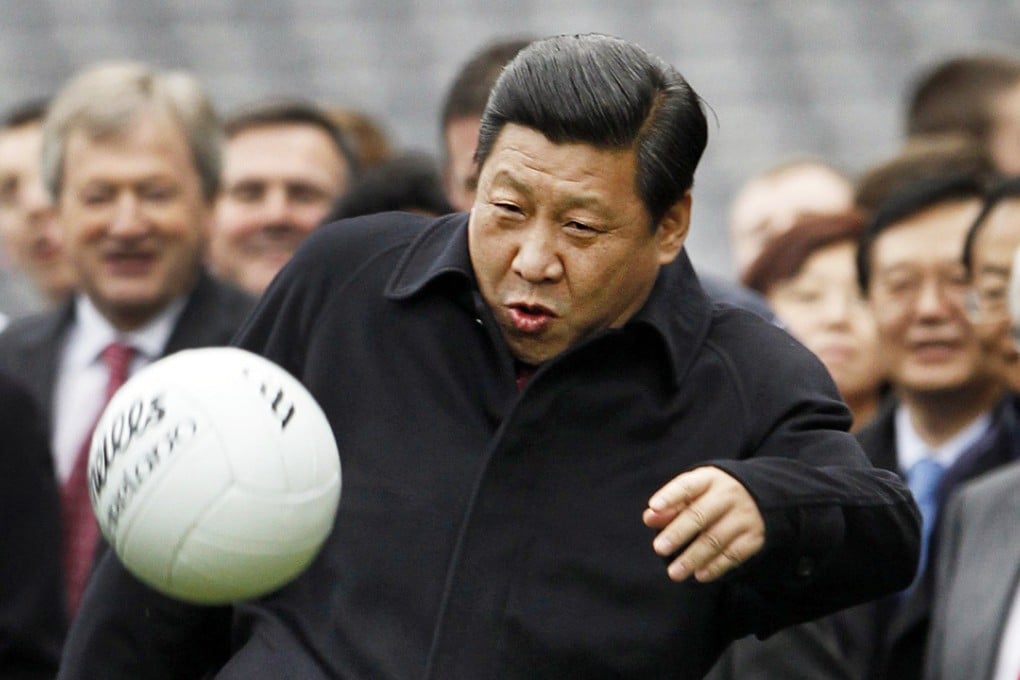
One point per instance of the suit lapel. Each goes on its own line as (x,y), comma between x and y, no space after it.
(212,315)
(39,356)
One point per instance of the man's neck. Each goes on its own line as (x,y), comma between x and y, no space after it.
(938,416)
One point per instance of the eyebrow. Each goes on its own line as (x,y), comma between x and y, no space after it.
(586,202)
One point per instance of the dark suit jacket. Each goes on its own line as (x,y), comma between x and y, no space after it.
(976,576)
(886,639)
(30,347)
(32,620)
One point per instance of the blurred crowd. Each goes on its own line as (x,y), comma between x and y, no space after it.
(135,217)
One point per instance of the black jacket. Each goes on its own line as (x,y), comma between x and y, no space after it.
(32,618)
(485,532)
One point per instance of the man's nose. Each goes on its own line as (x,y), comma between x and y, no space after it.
(537,259)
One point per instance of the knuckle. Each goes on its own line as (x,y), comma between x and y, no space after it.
(713,542)
(698,516)
(733,555)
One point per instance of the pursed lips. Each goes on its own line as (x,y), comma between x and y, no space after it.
(530,317)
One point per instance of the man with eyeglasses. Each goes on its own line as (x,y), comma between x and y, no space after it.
(950,418)
(976,617)
(988,257)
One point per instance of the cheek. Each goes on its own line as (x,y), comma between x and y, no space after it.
(864,329)
(793,316)
(232,217)
(307,218)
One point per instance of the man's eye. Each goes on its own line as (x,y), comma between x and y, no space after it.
(96,196)
(8,190)
(246,193)
(581,228)
(307,194)
(508,207)
(158,193)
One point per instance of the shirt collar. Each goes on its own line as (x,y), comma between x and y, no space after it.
(910,448)
(677,309)
(93,332)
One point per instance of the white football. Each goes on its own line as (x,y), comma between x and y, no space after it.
(214,475)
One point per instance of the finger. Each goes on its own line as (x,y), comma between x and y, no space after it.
(658,520)
(681,490)
(690,522)
(732,556)
(705,548)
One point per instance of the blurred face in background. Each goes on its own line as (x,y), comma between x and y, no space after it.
(461,176)
(1004,137)
(134,217)
(768,206)
(991,266)
(918,291)
(822,307)
(32,239)
(279,181)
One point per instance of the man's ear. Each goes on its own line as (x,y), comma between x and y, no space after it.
(672,229)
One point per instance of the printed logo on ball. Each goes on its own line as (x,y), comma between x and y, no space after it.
(128,427)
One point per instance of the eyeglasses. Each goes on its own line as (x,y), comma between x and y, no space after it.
(990,306)
(987,305)
(902,288)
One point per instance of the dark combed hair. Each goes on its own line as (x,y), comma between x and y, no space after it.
(922,157)
(910,201)
(608,93)
(408,182)
(1005,190)
(30,111)
(292,111)
(785,255)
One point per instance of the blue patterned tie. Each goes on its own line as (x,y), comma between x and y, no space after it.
(923,479)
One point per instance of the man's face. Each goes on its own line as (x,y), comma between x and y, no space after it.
(461,136)
(560,242)
(32,238)
(279,181)
(768,206)
(1004,137)
(918,292)
(991,265)
(134,217)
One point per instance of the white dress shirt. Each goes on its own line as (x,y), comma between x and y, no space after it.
(82,376)
(910,448)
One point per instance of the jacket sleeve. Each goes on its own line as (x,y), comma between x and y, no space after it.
(32,618)
(124,629)
(838,531)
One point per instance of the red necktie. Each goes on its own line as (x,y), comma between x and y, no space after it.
(80,531)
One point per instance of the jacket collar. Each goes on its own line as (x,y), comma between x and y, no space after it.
(677,310)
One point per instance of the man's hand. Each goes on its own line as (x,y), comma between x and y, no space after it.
(715,513)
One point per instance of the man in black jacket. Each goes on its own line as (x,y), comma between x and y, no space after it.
(32,620)
(513,393)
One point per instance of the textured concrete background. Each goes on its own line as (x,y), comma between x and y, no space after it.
(818,77)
